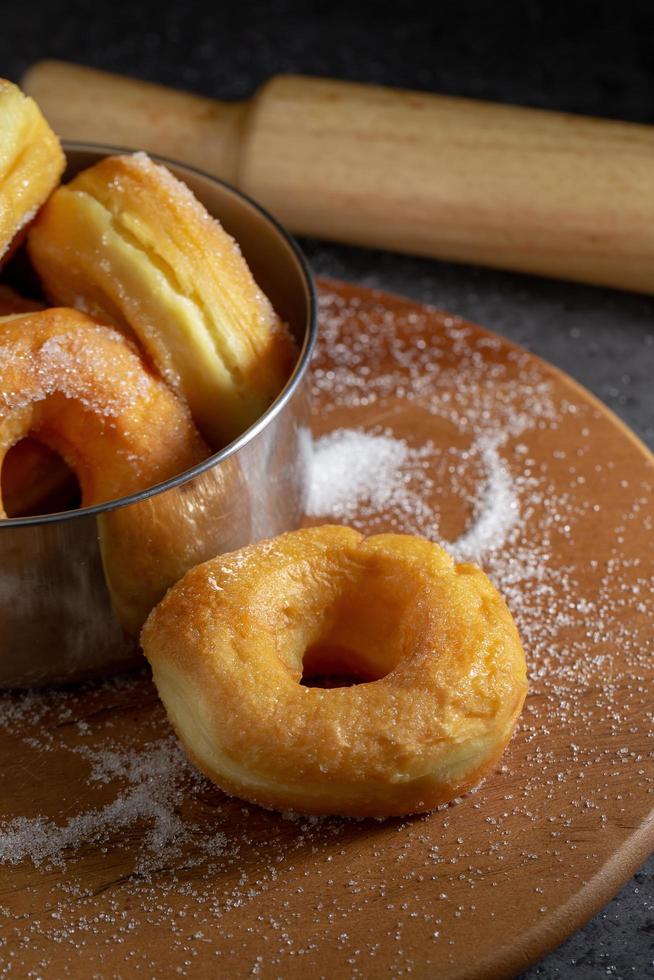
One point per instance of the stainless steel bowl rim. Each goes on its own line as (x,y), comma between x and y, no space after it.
(296,377)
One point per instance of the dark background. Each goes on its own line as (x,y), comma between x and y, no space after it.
(593,58)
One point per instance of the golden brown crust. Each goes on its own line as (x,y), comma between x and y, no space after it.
(227,645)
(34,479)
(85,392)
(127,242)
(31,163)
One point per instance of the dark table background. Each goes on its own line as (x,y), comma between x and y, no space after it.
(591,57)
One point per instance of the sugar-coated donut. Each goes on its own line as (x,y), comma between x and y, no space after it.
(85,392)
(34,479)
(127,241)
(435,643)
(31,163)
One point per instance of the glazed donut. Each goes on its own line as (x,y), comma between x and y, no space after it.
(82,390)
(441,669)
(31,163)
(128,242)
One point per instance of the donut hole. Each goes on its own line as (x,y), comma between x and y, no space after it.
(365,626)
(35,480)
(328,665)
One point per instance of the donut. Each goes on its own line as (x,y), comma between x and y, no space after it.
(31,163)
(129,243)
(34,479)
(81,389)
(437,660)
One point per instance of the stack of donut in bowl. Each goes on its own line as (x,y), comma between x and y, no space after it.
(151,347)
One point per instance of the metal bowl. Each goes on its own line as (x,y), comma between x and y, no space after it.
(74,585)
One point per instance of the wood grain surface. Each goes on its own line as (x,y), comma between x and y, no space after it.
(165,876)
(499,185)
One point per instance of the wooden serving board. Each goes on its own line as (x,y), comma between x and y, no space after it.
(165,876)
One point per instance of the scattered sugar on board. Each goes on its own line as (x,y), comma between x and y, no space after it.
(161,857)
(352,470)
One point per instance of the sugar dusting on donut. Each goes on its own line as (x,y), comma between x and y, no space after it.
(163,848)
(73,366)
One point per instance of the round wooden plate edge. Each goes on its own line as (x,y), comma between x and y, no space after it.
(579,910)
(636,849)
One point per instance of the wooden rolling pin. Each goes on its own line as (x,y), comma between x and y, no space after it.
(540,192)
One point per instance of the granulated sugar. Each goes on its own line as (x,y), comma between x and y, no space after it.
(496,510)
(349,467)
(121,859)
(158,777)
(351,470)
